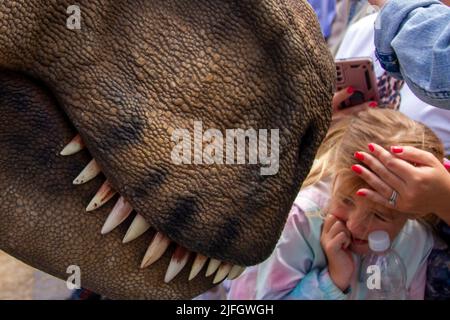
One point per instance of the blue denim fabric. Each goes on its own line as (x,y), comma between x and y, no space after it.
(412,39)
(326,11)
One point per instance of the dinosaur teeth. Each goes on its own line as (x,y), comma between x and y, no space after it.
(235,272)
(198,264)
(212,267)
(136,229)
(155,250)
(118,214)
(159,244)
(103,195)
(88,173)
(179,259)
(222,273)
(74,146)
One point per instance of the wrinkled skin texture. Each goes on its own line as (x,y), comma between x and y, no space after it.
(136,71)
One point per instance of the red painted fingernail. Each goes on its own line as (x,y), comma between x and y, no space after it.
(361,193)
(373,104)
(397,149)
(371,147)
(447,165)
(359,156)
(357,169)
(350,90)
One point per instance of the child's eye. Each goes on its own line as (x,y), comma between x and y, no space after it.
(347,201)
(380,217)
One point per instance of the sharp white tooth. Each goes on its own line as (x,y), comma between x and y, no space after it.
(75,145)
(118,214)
(88,173)
(136,229)
(103,195)
(179,259)
(222,273)
(198,264)
(235,272)
(212,267)
(155,250)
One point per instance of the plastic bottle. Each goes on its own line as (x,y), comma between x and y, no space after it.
(383,271)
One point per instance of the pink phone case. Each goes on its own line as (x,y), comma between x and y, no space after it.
(359,74)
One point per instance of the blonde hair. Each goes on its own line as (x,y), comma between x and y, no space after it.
(384,127)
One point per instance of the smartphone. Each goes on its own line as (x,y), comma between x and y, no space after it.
(359,74)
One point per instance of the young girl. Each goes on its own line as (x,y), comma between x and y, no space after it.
(318,254)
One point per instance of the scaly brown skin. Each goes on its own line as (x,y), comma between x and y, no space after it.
(135,72)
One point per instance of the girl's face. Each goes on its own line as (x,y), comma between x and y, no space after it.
(361,217)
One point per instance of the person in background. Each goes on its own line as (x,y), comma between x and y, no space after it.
(335,16)
(326,12)
(412,39)
(359,42)
(348,12)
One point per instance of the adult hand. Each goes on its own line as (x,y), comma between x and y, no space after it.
(335,239)
(340,97)
(421,181)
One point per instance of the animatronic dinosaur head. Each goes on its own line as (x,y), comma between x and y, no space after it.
(125,84)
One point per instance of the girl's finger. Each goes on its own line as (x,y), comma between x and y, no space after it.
(384,173)
(341,96)
(373,180)
(338,242)
(336,228)
(328,223)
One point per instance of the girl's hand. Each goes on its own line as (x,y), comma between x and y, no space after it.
(340,97)
(421,181)
(335,239)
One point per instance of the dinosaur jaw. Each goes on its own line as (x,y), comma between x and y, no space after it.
(139,226)
(43,218)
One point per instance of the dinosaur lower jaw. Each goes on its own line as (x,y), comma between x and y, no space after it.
(139,226)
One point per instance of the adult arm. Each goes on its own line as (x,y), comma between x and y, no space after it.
(412,39)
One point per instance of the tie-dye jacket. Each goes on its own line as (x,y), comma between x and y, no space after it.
(297,269)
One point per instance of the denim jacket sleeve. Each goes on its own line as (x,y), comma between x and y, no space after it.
(412,39)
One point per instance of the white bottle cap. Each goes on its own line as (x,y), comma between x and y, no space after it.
(379,241)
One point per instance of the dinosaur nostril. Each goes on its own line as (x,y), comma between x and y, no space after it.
(307,138)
